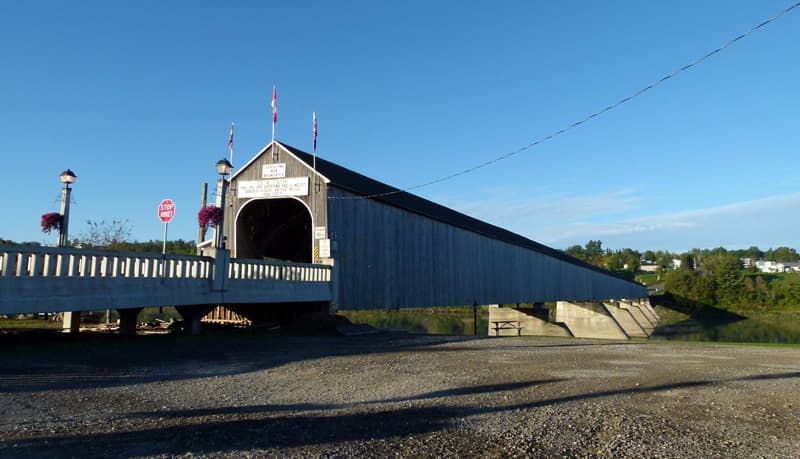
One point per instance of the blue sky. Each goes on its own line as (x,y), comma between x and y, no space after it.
(137,99)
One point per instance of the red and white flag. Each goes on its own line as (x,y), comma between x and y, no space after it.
(315,131)
(274,104)
(230,140)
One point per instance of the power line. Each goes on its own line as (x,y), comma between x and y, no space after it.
(585,119)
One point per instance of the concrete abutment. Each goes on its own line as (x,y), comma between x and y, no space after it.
(611,319)
(507,321)
(626,320)
(587,319)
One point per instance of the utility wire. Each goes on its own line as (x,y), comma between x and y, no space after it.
(584,120)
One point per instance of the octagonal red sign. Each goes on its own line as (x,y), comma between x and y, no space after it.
(166,210)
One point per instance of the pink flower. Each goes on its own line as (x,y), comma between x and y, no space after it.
(210,215)
(52,221)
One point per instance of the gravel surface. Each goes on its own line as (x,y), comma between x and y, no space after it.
(395,395)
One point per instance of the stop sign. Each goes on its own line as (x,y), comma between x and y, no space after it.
(166,210)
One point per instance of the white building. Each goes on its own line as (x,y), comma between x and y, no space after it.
(648,267)
(764,266)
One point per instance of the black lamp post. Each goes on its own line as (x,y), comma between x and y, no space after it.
(67,178)
(224,168)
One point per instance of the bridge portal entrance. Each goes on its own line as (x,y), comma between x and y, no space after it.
(276,229)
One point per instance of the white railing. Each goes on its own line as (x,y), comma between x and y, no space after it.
(247,269)
(47,279)
(29,261)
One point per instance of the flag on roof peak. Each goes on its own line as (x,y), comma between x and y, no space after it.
(274,104)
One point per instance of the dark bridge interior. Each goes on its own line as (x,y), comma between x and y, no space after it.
(275,229)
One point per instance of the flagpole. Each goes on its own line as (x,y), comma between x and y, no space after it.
(230,146)
(313,184)
(314,118)
(274,118)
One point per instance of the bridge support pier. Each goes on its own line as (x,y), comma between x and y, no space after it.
(643,317)
(71,322)
(191,317)
(127,320)
(645,306)
(589,319)
(626,320)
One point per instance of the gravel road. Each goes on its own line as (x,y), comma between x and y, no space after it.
(247,394)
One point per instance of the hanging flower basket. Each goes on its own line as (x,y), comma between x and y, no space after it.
(52,221)
(210,215)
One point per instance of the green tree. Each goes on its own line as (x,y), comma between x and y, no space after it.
(787,293)
(687,261)
(10,242)
(632,259)
(592,253)
(764,293)
(726,271)
(664,259)
(753,253)
(690,287)
(782,254)
(613,262)
(576,251)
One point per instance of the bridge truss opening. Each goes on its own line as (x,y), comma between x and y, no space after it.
(274,229)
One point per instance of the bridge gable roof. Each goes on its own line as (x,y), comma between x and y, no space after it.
(364,186)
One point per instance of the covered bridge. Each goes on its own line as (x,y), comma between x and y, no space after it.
(390,248)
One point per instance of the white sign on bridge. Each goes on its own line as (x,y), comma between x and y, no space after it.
(295,186)
(273,171)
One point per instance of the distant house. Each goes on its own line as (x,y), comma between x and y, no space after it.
(648,267)
(764,266)
(791,266)
(676,263)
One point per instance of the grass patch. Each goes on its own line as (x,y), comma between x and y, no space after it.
(29,324)
(430,321)
(646,278)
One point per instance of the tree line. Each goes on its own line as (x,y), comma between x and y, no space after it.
(706,277)
(115,235)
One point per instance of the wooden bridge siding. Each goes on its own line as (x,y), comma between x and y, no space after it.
(244,291)
(390,258)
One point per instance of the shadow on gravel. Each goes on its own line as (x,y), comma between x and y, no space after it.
(220,437)
(250,409)
(75,362)
(63,362)
(647,389)
(70,362)
(474,390)
(265,430)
